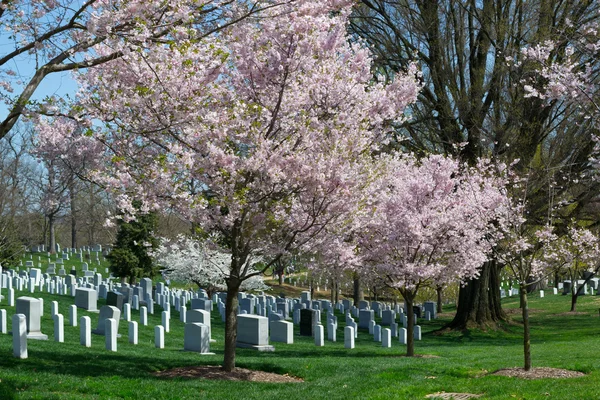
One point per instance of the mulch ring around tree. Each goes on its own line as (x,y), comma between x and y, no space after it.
(538,373)
(217,373)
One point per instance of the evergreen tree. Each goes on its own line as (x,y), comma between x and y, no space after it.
(130,256)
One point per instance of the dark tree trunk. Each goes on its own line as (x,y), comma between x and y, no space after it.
(358,291)
(231,306)
(439,291)
(280,278)
(573,297)
(51,234)
(73,207)
(526,334)
(479,301)
(410,324)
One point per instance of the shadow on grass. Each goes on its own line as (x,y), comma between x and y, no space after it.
(97,364)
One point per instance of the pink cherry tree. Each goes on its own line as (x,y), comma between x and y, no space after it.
(261,135)
(521,248)
(43,38)
(574,254)
(426,224)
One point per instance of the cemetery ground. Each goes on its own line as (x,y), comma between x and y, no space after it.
(451,362)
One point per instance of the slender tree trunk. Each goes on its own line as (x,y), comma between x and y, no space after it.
(51,234)
(73,207)
(573,298)
(337,292)
(332,292)
(479,301)
(410,324)
(280,278)
(231,306)
(439,291)
(526,334)
(358,291)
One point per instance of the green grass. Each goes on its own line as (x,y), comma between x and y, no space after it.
(70,371)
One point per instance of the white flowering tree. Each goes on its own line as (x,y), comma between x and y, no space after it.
(203,263)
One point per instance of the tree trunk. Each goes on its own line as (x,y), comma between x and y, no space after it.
(51,234)
(439,291)
(526,334)
(479,301)
(332,292)
(573,297)
(231,306)
(337,292)
(358,291)
(410,324)
(73,213)
(281,279)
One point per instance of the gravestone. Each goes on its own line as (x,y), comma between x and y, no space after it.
(201,304)
(402,335)
(307,321)
(111,327)
(199,316)
(19,329)
(431,306)
(114,299)
(143,316)
(319,335)
(253,332)
(282,331)
(349,337)
(30,307)
(386,338)
(107,312)
(87,299)
(196,338)
(388,317)
(566,287)
(159,337)
(133,332)
(364,318)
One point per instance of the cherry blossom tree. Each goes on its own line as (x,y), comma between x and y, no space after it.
(574,254)
(46,37)
(275,119)
(202,262)
(428,225)
(521,248)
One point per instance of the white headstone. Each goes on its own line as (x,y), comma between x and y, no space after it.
(59,328)
(127,312)
(133,332)
(19,331)
(73,315)
(165,320)
(319,335)
(386,338)
(349,337)
(85,331)
(143,316)
(110,329)
(402,335)
(3,322)
(53,308)
(282,331)
(417,332)
(196,338)
(182,312)
(159,337)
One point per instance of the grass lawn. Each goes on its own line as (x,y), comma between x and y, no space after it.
(462,363)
